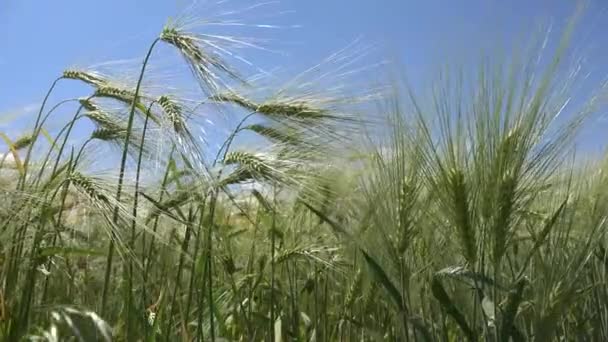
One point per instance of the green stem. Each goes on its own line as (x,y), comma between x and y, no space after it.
(146,258)
(209,266)
(121,175)
(180,266)
(193,271)
(134,221)
(226,145)
(272,271)
(37,127)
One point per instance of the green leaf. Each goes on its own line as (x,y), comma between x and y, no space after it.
(508,317)
(446,302)
(384,279)
(335,226)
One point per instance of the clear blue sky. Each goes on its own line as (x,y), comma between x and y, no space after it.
(40,38)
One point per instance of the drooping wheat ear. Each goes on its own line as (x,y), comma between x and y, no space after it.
(86,77)
(100,117)
(173,112)
(109,127)
(290,254)
(122,95)
(249,167)
(240,175)
(88,105)
(87,185)
(461,214)
(107,134)
(248,160)
(23,142)
(116,135)
(234,98)
(293,109)
(125,96)
(274,134)
(205,64)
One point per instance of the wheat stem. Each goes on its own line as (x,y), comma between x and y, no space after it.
(121,174)
(36,132)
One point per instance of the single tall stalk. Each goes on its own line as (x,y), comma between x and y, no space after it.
(134,220)
(147,257)
(210,264)
(272,267)
(121,174)
(37,127)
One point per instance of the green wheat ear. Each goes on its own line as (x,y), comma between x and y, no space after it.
(23,142)
(125,96)
(246,159)
(461,214)
(234,98)
(101,118)
(106,134)
(173,112)
(274,134)
(207,66)
(88,186)
(86,77)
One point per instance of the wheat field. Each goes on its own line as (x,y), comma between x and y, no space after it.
(464,213)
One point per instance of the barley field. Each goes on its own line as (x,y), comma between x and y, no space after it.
(328,211)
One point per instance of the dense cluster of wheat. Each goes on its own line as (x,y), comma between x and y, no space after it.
(460,218)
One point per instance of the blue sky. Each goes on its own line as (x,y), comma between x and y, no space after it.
(40,38)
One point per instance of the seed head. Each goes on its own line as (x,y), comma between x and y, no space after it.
(174,113)
(23,142)
(119,94)
(88,105)
(234,98)
(88,186)
(274,134)
(106,134)
(205,64)
(86,77)
(249,167)
(245,159)
(125,96)
(296,109)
